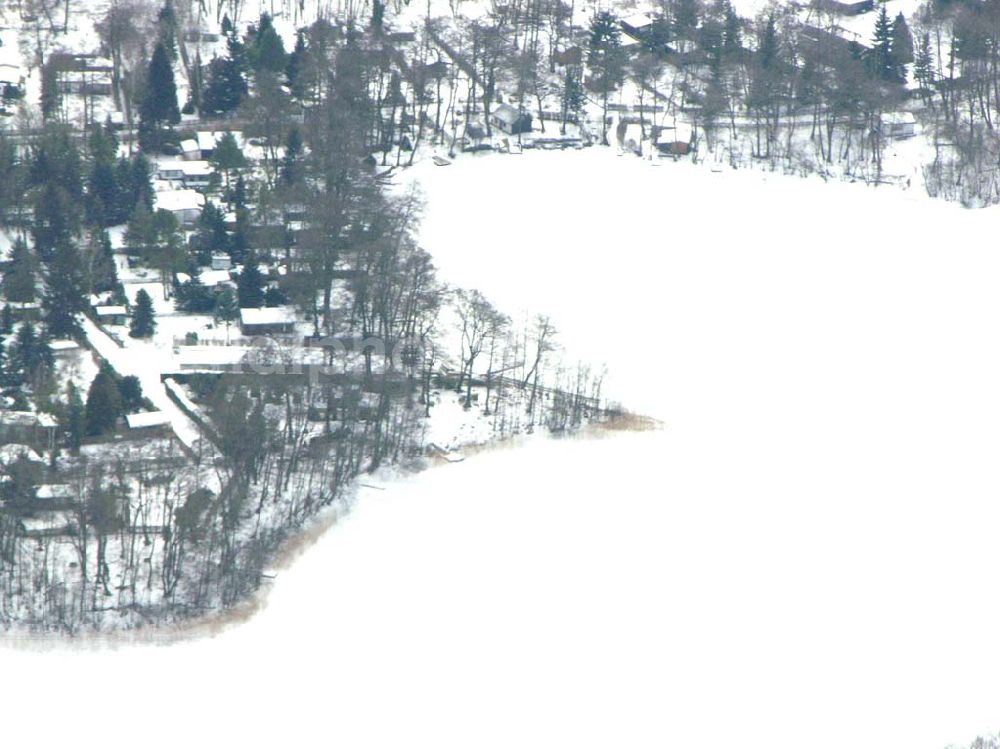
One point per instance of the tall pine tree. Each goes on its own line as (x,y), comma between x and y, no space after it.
(64,297)
(143,323)
(104,403)
(158,107)
(19,281)
(881,54)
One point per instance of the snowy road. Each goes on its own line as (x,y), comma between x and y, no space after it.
(146,363)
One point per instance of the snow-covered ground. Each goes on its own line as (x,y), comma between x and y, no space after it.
(805,555)
(146,363)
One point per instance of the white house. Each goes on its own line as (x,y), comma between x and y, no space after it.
(63,346)
(185,204)
(510,120)
(189,173)
(207,140)
(190,150)
(147,420)
(675,139)
(267,320)
(111,314)
(213,278)
(899,124)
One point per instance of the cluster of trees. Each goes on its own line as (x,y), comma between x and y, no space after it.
(26,363)
(109,397)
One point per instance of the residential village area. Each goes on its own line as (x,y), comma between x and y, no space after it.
(215,309)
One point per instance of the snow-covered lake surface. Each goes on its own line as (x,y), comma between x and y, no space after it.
(805,555)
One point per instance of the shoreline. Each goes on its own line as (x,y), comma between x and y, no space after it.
(218,622)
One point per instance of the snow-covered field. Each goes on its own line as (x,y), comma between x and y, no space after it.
(804,556)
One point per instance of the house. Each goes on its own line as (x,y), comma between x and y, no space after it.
(205,37)
(190,150)
(213,278)
(267,320)
(510,120)
(148,421)
(63,346)
(111,314)
(221,261)
(637,26)
(193,174)
(47,524)
(845,9)
(13,452)
(431,71)
(25,311)
(898,125)
(208,139)
(829,43)
(185,204)
(675,140)
(81,73)
(27,428)
(54,495)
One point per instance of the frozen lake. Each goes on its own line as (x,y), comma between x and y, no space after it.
(805,555)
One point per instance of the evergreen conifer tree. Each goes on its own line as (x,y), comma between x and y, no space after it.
(143,323)
(266,50)
(64,297)
(923,63)
(104,403)
(227,308)
(296,62)
(882,63)
(225,89)
(130,390)
(902,46)
(19,281)
(158,106)
(250,284)
(291,162)
(227,156)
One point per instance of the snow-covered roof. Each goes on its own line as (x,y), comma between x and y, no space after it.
(267,315)
(147,419)
(506,113)
(678,133)
(11,452)
(47,521)
(60,344)
(199,168)
(54,491)
(18,418)
(180,200)
(899,118)
(208,140)
(189,145)
(105,310)
(214,277)
(637,20)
